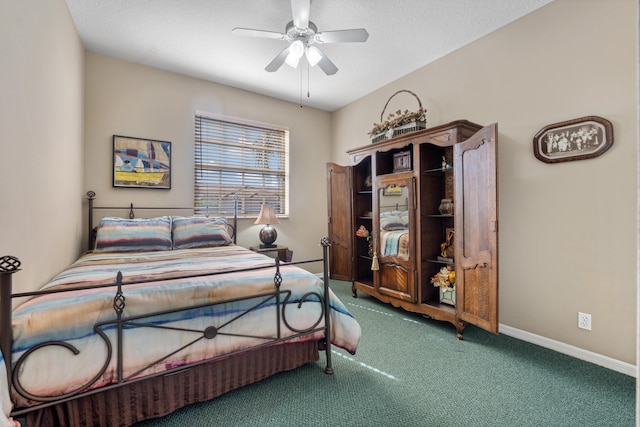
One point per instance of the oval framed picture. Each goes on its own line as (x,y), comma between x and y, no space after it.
(577,139)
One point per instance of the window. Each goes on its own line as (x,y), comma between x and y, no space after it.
(243,160)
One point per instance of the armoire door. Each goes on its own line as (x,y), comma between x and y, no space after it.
(395,238)
(476,228)
(339,201)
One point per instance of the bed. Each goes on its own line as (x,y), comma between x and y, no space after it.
(394,234)
(140,327)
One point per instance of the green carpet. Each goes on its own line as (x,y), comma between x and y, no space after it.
(410,371)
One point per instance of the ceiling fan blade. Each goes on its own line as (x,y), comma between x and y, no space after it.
(277,61)
(258,33)
(326,65)
(300,9)
(355,35)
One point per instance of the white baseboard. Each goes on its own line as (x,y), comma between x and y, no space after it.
(578,353)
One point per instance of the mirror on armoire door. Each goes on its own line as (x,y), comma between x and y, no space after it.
(393,208)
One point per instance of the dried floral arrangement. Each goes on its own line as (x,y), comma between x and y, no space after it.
(399,119)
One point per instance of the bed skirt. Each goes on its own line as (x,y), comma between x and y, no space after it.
(162,395)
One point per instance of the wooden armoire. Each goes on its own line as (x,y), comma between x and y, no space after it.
(428,201)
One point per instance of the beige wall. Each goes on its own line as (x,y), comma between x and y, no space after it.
(123,98)
(41,144)
(568,231)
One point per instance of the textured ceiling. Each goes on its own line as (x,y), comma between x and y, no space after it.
(193,37)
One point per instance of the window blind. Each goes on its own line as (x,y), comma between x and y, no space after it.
(237,160)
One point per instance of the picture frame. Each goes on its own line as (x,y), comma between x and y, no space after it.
(392,190)
(577,139)
(141,163)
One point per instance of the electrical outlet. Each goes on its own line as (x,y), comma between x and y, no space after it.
(584,321)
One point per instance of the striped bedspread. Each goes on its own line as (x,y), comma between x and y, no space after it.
(69,317)
(395,243)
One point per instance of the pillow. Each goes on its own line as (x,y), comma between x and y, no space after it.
(131,235)
(404,217)
(199,232)
(391,222)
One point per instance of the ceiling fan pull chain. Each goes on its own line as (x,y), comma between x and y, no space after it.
(301,78)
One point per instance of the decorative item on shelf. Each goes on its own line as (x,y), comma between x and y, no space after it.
(364,233)
(445,279)
(367,182)
(448,248)
(402,161)
(268,234)
(445,166)
(400,122)
(448,296)
(446,207)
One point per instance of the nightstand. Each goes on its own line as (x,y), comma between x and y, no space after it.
(282,251)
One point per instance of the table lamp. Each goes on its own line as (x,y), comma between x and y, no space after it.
(268,234)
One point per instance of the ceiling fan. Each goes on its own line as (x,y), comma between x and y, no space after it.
(303,36)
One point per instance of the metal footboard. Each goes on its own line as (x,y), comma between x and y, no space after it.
(278,298)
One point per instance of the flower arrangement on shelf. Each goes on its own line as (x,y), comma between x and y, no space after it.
(363,232)
(445,278)
(397,119)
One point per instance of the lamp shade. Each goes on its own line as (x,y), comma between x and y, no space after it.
(267,216)
(313,55)
(296,50)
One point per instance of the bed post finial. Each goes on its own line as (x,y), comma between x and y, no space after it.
(8,265)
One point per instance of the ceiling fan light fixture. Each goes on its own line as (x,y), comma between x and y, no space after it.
(295,53)
(313,55)
(302,34)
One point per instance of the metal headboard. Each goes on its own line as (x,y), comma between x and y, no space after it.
(91,207)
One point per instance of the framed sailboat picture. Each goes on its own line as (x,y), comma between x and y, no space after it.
(141,163)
